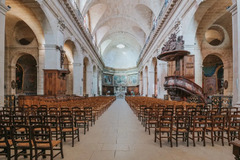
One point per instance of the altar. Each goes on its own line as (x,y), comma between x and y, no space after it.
(120,91)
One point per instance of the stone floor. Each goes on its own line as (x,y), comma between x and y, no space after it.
(118,135)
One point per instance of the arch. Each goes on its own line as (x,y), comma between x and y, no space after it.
(86,66)
(20,53)
(213,75)
(26,75)
(135,40)
(127,19)
(153,5)
(140,32)
(11,70)
(69,48)
(200,19)
(82,4)
(101,32)
(34,17)
(96,12)
(145,13)
(210,17)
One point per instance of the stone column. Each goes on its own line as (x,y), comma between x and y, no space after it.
(234,9)
(145,84)
(77,78)
(100,83)
(162,73)
(3,10)
(89,82)
(140,77)
(196,51)
(41,66)
(52,57)
(151,83)
(53,50)
(95,82)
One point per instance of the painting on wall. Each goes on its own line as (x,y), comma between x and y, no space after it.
(26,75)
(19,77)
(132,80)
(210,86)
(120,80)
(107,79)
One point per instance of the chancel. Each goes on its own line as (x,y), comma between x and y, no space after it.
(120,79)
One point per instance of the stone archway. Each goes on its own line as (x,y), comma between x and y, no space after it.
(69,48)
(85,76)
(26,75)
(27,29)
(213,75)
(153,74)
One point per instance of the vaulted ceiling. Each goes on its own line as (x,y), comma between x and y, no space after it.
(126,22)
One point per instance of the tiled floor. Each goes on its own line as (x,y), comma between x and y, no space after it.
(118,135)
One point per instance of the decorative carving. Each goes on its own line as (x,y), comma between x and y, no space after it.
(178,27)
(13,84)
(178,86)
(225,84)
(62,56)
(177,24)
(174,43)
(61,24)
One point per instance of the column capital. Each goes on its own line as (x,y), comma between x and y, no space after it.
(200,1)
(233,9)
(3,8)
(77,64)
(48,47)
(163,64)
(151,72)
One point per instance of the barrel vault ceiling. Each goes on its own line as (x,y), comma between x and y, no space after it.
(120,28)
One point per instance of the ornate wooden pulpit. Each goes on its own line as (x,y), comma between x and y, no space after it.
(180,80)
(55,82)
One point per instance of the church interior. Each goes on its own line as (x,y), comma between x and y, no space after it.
(120,79)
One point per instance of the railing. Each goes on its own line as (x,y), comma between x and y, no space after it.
(157,21)
(186,85)
(221,101)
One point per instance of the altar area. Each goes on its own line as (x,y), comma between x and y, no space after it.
(120,91)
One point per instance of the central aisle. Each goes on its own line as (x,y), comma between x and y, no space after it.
(118,135)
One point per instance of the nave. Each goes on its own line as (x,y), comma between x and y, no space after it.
(119,135)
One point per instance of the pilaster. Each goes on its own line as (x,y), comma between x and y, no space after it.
(234,9)
(3,10)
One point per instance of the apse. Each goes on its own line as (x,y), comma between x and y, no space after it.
(120,56)
(120,51)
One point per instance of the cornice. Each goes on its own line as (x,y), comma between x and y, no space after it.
(127,71)
(159,27)
(78,20)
